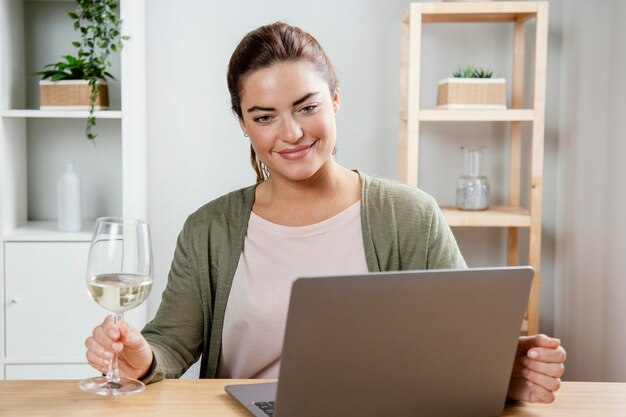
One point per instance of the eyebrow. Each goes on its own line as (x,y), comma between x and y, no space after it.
(295,103)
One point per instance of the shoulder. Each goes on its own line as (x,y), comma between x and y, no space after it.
(227,208)
(387,194)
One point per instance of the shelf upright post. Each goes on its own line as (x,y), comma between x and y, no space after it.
(410,50)
(538,128)
(515,143)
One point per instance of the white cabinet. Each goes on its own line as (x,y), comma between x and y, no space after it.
(48,316)
(47,313)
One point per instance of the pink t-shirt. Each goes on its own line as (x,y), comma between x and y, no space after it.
(273,256)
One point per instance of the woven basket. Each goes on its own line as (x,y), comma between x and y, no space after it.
(71,95)
(471,93)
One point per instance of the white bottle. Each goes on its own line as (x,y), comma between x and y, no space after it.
(69,204)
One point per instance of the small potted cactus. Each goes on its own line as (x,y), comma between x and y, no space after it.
(471,88)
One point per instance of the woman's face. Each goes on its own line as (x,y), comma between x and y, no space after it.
(289,115)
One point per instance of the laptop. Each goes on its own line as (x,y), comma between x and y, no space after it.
(395,344)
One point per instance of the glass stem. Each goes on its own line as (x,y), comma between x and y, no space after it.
(113,376)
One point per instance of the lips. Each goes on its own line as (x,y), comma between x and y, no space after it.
(296,153)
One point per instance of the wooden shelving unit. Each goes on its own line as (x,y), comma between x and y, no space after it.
(511,216)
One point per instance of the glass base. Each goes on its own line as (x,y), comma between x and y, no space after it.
(101,386)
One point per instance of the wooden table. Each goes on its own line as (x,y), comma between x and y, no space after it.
(207,398)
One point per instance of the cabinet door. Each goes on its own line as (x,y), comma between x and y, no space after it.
(48,310)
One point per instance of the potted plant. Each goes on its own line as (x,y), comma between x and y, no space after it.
(472,88)
(79,82)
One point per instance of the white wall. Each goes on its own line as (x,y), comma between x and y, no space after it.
(196,149)
(197,152)
(591,282)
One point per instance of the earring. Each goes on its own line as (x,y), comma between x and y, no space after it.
(265,169)
(245,134)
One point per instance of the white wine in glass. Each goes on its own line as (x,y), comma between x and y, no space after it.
(119,278)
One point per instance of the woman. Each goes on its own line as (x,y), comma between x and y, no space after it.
(236,257)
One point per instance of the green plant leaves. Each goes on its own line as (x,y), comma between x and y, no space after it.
(100,35)
(71,69)
(472,72)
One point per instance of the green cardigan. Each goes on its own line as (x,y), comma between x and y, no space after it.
(403,229)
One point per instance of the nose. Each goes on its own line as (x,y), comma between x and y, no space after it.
(291,131)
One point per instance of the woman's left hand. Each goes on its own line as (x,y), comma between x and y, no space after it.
(537,369)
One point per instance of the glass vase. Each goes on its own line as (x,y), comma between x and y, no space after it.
(472,190)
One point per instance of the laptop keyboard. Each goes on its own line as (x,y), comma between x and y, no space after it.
(267,407)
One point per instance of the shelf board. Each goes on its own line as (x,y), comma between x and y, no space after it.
(510,115)
(61,114)
(46,231)
(440,115)
(476,12)
(496,216)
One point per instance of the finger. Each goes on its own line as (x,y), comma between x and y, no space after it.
(557,355)
(133,339)
(125,330)
(97,349)
(97,362)
(103,370)
(550,369)
(548,382)
(103,335)
(539,394)
(539,340)
(111,329)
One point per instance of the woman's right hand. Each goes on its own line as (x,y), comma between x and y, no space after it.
(134,352)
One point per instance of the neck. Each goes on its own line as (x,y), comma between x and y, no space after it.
(324,183)
(332,189)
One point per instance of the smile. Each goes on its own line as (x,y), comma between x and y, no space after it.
(299,152)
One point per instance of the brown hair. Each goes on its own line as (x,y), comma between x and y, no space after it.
(264,47)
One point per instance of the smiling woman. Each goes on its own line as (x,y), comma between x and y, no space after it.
(290,115)
(237,256)
(272,44)
(290,119)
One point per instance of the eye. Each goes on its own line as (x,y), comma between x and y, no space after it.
(309,108)
(262,119)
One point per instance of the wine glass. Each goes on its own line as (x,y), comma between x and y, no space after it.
(119,278)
